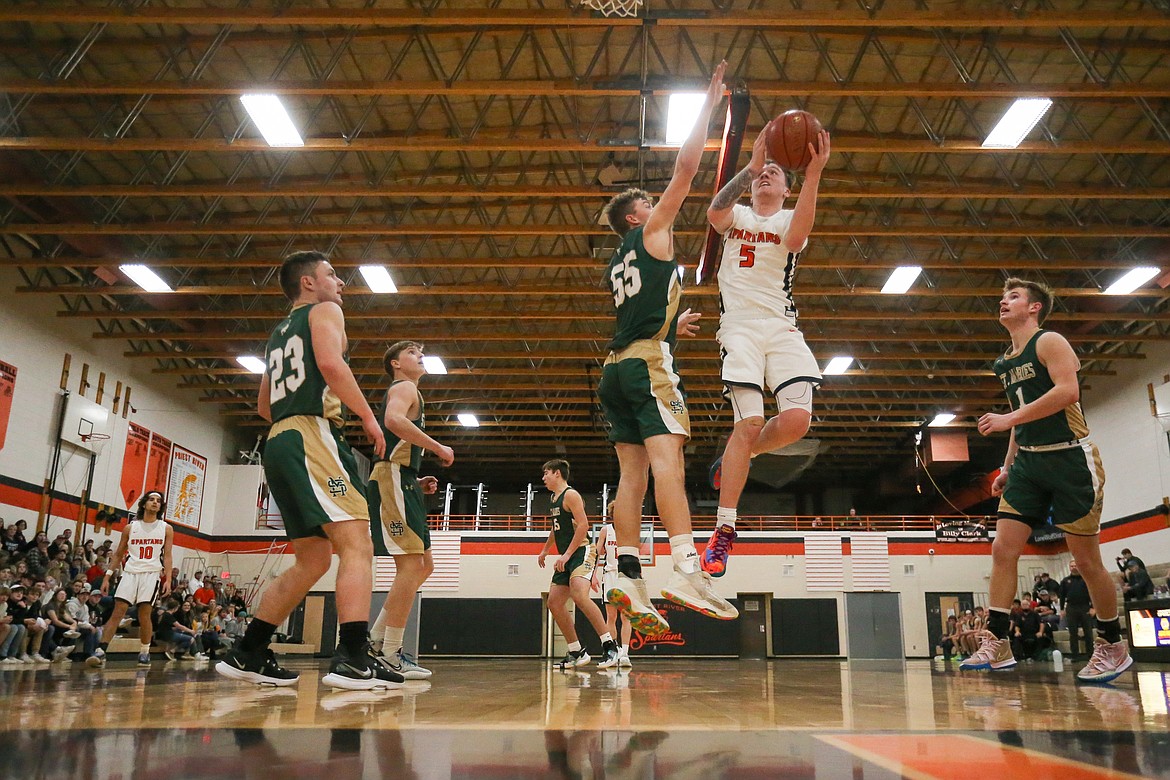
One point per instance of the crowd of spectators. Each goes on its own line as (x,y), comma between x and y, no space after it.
(52,607)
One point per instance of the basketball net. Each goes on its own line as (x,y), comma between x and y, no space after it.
(614,7)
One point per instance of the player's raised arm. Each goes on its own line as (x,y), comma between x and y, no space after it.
(806,203)
(719,212)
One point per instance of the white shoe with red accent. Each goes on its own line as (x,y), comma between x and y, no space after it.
(1108,661)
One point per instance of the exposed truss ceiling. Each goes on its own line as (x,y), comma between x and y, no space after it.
(462,144)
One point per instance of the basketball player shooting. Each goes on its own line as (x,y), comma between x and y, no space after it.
(763,351)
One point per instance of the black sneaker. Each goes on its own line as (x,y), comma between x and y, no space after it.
(362,671)
(255,666)
(610,657)
(574,659)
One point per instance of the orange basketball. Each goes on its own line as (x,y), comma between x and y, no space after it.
(788,139)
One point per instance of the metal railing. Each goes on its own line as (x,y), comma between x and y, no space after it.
(810,523)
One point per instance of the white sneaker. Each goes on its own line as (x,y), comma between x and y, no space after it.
(37,658)
(9,662)
(24,659)
(624,658)
(404,664)
(71,634)
(62,653)
(696,592)
(632,599)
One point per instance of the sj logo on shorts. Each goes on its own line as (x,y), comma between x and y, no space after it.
(677,407)
(397,529)
(337,486)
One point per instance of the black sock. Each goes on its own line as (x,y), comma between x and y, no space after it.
(104,646)
(630,566)
(1109,630)
(257,635)
(354,636)
(999,623)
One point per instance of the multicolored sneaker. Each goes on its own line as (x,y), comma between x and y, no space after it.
(573,659)
(1108,661)
(633,600)
(405,665)
(610,655)
(994,654)
(715,475)
(695,591)
(714,559)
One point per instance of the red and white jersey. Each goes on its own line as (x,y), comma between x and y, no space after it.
(144,551)
(756,272)
(610,551)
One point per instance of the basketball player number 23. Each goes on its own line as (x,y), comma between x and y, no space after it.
(294,350)
(626,279)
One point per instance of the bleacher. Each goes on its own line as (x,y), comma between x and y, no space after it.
(1158,573)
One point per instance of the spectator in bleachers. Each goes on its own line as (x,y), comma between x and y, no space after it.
(1076,607)
(88,554)
(26,609)
(58,567)
(215,635)
(1043,582)
(205,594)
(65,627)
(12,631)
(177,583)
(21,527)
(1126,558)
(12,545)
(97,572)
(78,609)
(1046,608)
(195,583)
(946,643)
(168,630)
(1030,636)
(234,624)
(1138,584)
(186,622)
(5,576)
(37,556)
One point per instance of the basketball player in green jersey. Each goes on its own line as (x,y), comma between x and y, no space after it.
(573,569)
(1051,465)
(398,515)
(312,474)
(641,393)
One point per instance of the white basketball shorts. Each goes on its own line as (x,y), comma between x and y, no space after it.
(767,354)
(138,588)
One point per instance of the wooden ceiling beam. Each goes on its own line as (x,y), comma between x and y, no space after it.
(603,147)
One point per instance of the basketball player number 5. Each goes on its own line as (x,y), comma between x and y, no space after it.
(747,256)
(626,279)
(294,350)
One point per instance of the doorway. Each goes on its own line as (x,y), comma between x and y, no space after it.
(874,623)
(753,625)
(940,606)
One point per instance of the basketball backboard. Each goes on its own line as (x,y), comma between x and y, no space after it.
(87,424)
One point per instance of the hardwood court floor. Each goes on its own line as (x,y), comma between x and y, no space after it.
(520,718)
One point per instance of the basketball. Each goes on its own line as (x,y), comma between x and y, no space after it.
(789,137)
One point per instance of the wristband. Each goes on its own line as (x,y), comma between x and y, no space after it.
(109,572)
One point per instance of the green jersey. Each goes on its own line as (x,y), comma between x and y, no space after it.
(562,522)
(1025,379)
(295,384)
(646,293)
(398,451)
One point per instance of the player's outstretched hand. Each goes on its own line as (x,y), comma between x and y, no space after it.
(686,323)
(820,154)
(715,88)
(759,151)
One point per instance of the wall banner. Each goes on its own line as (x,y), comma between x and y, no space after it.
(187,478)
(7,388)
(134,465)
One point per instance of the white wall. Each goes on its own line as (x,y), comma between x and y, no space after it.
(36,341)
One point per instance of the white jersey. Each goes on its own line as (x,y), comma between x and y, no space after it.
(145,547)
(757,268)
(610,551)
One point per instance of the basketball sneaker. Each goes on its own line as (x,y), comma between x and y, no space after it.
(714,558)
(361,671)
(404,664)
(144,659)
(573,659)
(254,666)
(695,591)
(1107,663)
(993,654)
(97,660)
(610,656)
(631,598)
(624,659)
(715,475)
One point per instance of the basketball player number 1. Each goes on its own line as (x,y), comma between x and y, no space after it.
(282,385)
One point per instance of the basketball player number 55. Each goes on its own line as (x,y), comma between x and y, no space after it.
(626,280)
(294,350)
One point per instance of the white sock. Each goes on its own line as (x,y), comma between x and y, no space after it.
(392,639)
(606,637)
(725,516)
(683,553)
(628,551)
(144,649)
(574,647)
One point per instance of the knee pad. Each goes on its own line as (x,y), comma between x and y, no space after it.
(797,395)
(745,401)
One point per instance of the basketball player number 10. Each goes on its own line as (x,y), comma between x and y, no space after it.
(626,279)
(282,385)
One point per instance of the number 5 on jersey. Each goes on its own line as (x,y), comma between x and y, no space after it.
(626,279)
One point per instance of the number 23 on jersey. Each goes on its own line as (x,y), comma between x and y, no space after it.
(294,351)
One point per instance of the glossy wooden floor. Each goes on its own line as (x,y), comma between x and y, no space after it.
(521,718)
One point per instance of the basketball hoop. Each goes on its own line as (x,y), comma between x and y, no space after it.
(94,437)
(614,7)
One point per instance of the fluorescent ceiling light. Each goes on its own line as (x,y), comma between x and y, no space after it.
(252,363)
(434,364)
(838,365)
(942,418)
(681,112)
(1017,123)
(272,120)
(378,279)
(1132,280)
(901,280)
(468,420)
(145,278)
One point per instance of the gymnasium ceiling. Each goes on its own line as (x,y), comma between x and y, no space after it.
(470,146)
